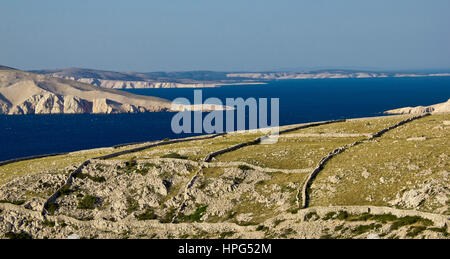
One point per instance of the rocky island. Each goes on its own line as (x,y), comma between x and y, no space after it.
(195,79)
(28,93)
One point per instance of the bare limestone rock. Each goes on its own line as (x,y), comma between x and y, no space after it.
(437,108)
(24,93)
(49,104)
(102,106)
(74,105)
(431,192)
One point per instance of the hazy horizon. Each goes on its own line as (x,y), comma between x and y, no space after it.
(245,35)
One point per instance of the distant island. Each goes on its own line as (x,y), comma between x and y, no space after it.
(77,91)
(24,93)
(197,79)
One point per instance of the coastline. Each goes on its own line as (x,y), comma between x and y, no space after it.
(124,145)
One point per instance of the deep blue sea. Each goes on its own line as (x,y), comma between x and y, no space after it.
(300,101)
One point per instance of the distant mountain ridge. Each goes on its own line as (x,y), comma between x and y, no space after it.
(28,93)
(195,79)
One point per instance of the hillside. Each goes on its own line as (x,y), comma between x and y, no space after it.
(385,177)
(128,80)
(437,108)
(191,79)
(28,93)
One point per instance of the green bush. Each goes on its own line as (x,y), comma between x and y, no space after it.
(131,163)
(414,231)
(329,215)
(174,155)
(365,228)
(64,190)
(262,228)
(98,179)
(167,218)
(88,202)
(149,214)
(21,235)
(48,223)
(132,205)
(409,220)
(342,215)
(238,180)
(311,215)
(19,202)
(52,207)
(224,235)
(196,216)
(245,167)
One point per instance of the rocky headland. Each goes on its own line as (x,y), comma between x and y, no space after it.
(436,108)
(194,79)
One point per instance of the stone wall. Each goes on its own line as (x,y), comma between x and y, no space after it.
(316,171)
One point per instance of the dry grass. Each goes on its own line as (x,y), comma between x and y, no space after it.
(56,164)
(393,163)
(288,153)
(354,126)
(194,150)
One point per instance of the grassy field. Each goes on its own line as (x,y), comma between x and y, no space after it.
(288,153)
(195,150)
(55,164)
(354,126)
(375,172)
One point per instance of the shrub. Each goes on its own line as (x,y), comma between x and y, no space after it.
(245,167)
(196,216)
(131,163)
(409,220)
(262,228)
(52,207)
(167,218)
(329,215)
(364,228)
(174,155)
(311,216)
(149,214)
(21,235)
(326,236)
(19,202)
(238,180)
(143,171)
(98,179)
(414,231)
(88,202)
(48,223)
(64,190)
(278,222)
(224,235)
(384,218)
(132,205)
(339,228)
(342,215)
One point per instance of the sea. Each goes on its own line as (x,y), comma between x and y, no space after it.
(299,101)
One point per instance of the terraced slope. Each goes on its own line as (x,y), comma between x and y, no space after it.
(389,185)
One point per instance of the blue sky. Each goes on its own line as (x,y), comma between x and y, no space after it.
(227,35)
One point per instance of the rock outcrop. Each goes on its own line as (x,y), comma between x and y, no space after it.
(27,93)
(437,108)
(120,84)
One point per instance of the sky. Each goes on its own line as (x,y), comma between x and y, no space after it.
(226,35)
